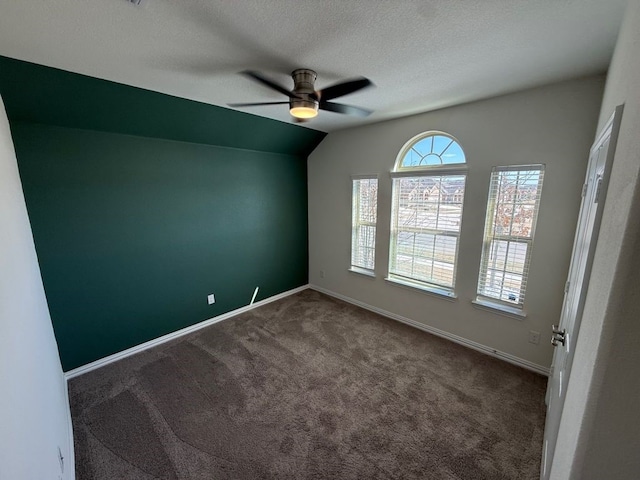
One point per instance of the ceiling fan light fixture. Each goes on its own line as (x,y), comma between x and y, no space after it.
(304,100)
(303,108)
(303,112)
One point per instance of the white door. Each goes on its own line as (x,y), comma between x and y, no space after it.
(565,334)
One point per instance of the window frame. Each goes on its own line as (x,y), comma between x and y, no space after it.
(421,171)
(355,223)
(489,236)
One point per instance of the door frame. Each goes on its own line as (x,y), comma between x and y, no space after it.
(610,131)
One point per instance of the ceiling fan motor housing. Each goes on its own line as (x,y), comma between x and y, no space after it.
(304,100)
(304,79)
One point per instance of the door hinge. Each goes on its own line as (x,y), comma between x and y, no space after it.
(584,189)
(566,287)
(598,188)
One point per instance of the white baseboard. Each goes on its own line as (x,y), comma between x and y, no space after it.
(70,460)
(507,357)
(178,333)
(435,331)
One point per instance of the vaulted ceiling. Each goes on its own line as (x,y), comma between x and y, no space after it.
(422,55)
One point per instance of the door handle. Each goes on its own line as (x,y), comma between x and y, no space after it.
(559,336)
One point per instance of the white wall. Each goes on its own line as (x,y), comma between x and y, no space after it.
(554,125)
(600,428)
(34,410)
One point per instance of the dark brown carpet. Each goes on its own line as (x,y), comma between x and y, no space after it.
(308,387)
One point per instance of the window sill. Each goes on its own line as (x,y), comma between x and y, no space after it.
(363,271)
(436,292)
(500,309)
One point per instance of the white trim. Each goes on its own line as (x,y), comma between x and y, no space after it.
(178,333)
(499,308)
(364,177)
(362,271)
(517,168)
(440,292)
(70,460)
(433,171)
(507,357)
(608,128)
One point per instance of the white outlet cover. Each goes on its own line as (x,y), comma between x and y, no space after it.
(211,299)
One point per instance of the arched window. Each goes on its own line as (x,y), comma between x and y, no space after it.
(428,193)
(430,149)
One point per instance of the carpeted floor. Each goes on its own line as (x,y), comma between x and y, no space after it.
(308,387)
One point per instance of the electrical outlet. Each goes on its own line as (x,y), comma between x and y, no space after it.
(321,273)
(534,337)
(211,299)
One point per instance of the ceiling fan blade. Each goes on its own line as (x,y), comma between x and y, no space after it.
(347,109)
(344,88)
(265,81)
(256,104)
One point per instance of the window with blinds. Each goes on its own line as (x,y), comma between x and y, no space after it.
(512,210)
(428,194)
(363,225)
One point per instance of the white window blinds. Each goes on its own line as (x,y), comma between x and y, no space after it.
(425,228)
(512,210)
(363,224)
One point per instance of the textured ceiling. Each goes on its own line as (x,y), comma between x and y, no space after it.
(422,55)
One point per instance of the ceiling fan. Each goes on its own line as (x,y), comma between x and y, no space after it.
(305,100)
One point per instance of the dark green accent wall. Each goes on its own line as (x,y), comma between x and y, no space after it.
(142,204)
(38,94)
(133,233)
